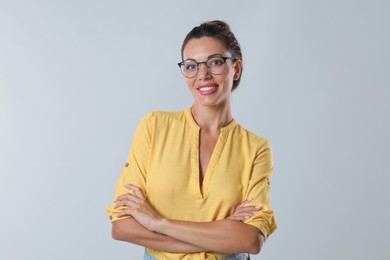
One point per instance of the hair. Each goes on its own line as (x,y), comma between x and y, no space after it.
(218,30)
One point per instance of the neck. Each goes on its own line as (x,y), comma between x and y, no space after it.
(212,118)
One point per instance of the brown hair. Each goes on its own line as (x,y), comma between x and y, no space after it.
(218,30)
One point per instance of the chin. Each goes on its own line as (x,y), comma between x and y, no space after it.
(209,103)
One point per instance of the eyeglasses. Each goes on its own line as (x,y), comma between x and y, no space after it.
(215,65)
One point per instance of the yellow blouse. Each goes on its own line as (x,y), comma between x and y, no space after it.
(164,162)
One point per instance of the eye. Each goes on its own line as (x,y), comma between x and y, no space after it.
(190,66)
(216,62)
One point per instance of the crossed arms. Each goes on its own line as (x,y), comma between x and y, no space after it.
(149,229)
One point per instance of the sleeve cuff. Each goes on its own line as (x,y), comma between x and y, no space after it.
(112,213)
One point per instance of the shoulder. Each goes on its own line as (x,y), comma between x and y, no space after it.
(258,142)
(161,118)
(259,147)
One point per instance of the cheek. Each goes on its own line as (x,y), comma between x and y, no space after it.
(229,79)
(226,80)
(190,82)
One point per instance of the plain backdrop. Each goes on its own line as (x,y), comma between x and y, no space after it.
(77,76)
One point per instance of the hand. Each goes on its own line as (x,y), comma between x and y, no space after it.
(139,208)
(243,212)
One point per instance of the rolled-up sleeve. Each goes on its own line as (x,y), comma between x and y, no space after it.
(259,189)
(135,168)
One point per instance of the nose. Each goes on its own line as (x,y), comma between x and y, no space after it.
(203,71)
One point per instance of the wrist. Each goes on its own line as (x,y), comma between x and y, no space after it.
(162,225)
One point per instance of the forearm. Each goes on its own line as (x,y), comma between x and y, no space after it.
(130,230)
(224,236)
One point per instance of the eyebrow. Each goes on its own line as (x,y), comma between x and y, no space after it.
(212,55)
(208,57)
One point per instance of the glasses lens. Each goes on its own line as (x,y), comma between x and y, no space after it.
(216,65)
(189,68)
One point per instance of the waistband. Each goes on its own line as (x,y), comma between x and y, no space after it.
(240,256)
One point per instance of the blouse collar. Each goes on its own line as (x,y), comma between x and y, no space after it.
(232,124)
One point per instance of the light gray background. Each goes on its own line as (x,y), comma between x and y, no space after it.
(77,76)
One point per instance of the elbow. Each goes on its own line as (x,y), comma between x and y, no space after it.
(125,230)
(254,249)
(256,244)
(115,233)
(250,241)
(118,231)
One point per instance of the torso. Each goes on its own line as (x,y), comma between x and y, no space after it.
(179,154)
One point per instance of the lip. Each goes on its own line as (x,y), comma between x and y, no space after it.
(207,89)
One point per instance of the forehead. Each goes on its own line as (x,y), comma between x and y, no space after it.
(200,49)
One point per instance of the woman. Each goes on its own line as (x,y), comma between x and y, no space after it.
(196,184)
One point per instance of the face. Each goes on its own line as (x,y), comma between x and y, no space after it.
(209,89)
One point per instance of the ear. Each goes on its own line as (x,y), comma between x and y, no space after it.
(237,69)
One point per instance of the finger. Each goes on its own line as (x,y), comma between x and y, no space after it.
(137,190)
(123,197)
(234,218)
(245,202)
(126,203)
(243,217)
(250,208)
(246,212)
(128,196)
(124,213)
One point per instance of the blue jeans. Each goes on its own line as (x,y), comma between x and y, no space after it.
(241,256)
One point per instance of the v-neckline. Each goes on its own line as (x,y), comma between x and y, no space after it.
(205,160)
(201,189)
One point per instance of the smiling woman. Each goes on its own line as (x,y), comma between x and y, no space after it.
(197,184)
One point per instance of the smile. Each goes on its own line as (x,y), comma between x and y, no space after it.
(207,90)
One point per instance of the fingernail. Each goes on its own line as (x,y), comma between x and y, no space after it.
(257,207)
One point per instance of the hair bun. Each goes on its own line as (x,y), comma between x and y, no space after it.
(222,24)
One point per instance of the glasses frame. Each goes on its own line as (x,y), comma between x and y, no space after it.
(205,63)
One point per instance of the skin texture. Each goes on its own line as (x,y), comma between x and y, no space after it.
(212,111)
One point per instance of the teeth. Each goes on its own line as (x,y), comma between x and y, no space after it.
(206,88)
